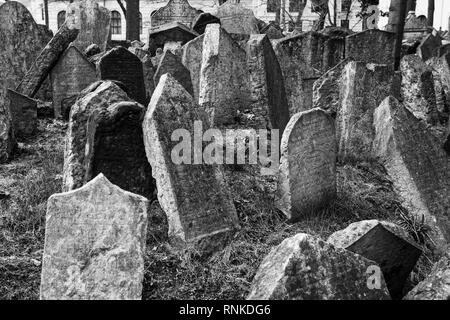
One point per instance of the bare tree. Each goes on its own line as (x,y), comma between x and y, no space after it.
(397,16)
(133,20)
(431,6)
(411,5)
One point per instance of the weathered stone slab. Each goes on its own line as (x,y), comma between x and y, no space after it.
(268,95)
(195,198)
(429,47)
(385,243)
(121,65)
(362,88)
(94,244)
(418,166)
(192,59)
(175,32)
(223,76)
(95,24)
(202,20)
(306,268)
(41,67)
(300,63)
(115,147)
(72,73)
(175,11)
(371,46)
(149,74)
(23,114)
(7,137)
(172,64)
(437,285)
(235,18)
(307,175)
(99,95)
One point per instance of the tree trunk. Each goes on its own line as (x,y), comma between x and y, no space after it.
(431,6)
(132,16)
(282,14)
(46,12)
(411,6)
(398,7)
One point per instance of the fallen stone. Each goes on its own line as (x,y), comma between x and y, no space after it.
(306,268)
(104,258)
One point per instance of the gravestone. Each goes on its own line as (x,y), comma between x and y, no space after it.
(99,95)
(175,11)
(169,33)
(371,46)
(202,20)
(235,18)
(306,268)
(149,74)
(223,77)
(92,50)
(300,58)
(429,47)
(192,59)
(417,89)
(23,114)
(385,243)
(199,208)
(272,31)
(307,175)
(121,65)
(7,137)
(95,24)
(138,52)
(417,165)
(115,147)
(362,88)
(94,244)
(72,73)
(269,102)
(171,64)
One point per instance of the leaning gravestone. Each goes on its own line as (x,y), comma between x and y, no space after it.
(362,88)
(72,73)
(223,76)
(371,46)
(202,20)
(149,74)
(307,175)
(115,147)
(385,243)
(429,47)
(235,18)
(95,24)
(417,90)
(171,64)
(192,60)
(94,244)
(99,95)
(23,113)
(306,268)
(121,65)
(417,164)
(199,207)
(175,11)
(268,96)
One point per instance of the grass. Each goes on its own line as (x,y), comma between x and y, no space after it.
(364,192)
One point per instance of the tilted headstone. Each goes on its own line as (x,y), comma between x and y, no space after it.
(371,46)
(199,207)
(235,18)
(385,243)
(23,114)
(436,285)
(269,102)
(202,20)
(417,89)
(121,65)
(362,88)
(300,64)
(175,11)
(115,147)
(417,165)
(303,267)
(429,47)
(171,63)
(72,73)
(99,95)
(307,175)
(192,59)
(223,76)
(94,244)
(95,24)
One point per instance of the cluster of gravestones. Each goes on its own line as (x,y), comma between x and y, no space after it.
(332,96)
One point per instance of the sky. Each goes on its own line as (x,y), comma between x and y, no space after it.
(441,15)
